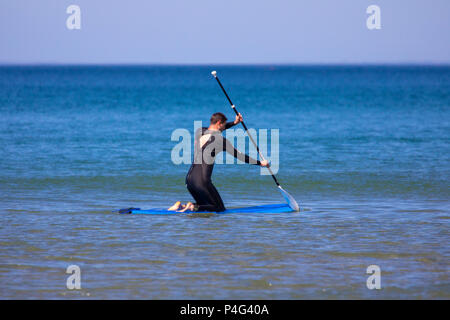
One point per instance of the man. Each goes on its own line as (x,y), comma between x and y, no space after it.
(208,143)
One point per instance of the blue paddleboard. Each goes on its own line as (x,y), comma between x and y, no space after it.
(268,208)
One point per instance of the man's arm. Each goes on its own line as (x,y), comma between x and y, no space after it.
(230,124)
(235,122)
(228,147)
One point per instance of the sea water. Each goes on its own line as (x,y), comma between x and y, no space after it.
(363,149)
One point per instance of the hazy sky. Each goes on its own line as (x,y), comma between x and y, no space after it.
(227,31)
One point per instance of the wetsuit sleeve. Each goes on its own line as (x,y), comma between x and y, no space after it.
(228,147)
(228,125)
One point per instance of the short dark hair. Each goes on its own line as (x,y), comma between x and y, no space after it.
(218,116)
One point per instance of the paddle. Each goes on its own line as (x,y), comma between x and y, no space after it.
(290,200)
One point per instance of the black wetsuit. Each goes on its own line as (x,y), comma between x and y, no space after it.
(198,179)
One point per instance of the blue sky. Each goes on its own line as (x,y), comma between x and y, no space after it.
(232,31)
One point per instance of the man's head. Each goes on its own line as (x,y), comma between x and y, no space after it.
(218,121)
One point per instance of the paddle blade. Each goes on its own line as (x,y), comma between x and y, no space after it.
(289,199)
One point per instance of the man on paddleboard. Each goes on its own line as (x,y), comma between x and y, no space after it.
(208,143)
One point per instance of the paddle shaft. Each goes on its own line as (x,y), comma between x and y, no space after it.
(245,127)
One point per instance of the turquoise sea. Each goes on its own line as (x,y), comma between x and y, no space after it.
(365,150)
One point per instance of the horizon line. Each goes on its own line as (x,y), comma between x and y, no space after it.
(225,64)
